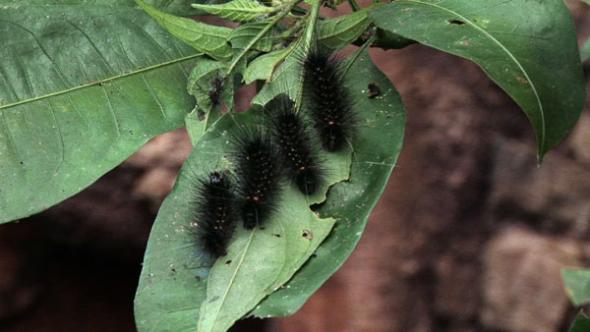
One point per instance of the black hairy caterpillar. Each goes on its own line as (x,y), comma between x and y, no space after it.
(328,99)
(258,173)
(296,149)
(216,213)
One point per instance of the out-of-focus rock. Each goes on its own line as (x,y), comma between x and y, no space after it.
(557,192)
(169,150)
(457,288)
(106,216)
(522,288)
(580,139)
(16,295)
(156,184)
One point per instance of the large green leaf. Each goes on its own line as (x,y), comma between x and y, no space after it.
(376,148)
(580,324)
(577,285)
(81,88)
(174,277)
(258,261)
(527,47)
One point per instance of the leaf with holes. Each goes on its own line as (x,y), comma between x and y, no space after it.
(376,148)
(528,48)
(77,97)
(237,10)
(375,153)
(174,277)
(205,38)
(178,277)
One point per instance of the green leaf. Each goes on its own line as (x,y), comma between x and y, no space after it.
(169,301)
(241,36)
(263,66)
(237,10)
(528,48)
(585,51)
(577,285)
(205,38)
(208,78)
(285,79)
(261,260)
(581,324)
(205,79)
(195,124)
(376,149)
(78,96)
(343,30)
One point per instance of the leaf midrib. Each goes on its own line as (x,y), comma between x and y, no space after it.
(510,55)
(248,10)
(99,82)
(233,277)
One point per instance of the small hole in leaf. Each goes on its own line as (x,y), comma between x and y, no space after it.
(373,90)
(456,21)
(228,262)
(307,234)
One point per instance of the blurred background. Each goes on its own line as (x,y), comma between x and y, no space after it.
(470,234)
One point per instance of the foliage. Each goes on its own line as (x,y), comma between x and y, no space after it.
(577,285)
(86,83)
(580,324)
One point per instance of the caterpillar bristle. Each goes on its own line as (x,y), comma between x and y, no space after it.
(258,173)
(216,217)
(295,146)
(328,100)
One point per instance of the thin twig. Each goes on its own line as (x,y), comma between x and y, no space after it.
(261,34)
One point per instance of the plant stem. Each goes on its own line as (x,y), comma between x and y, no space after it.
(313,18)
(355,6)
(284,12)
(308,41)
